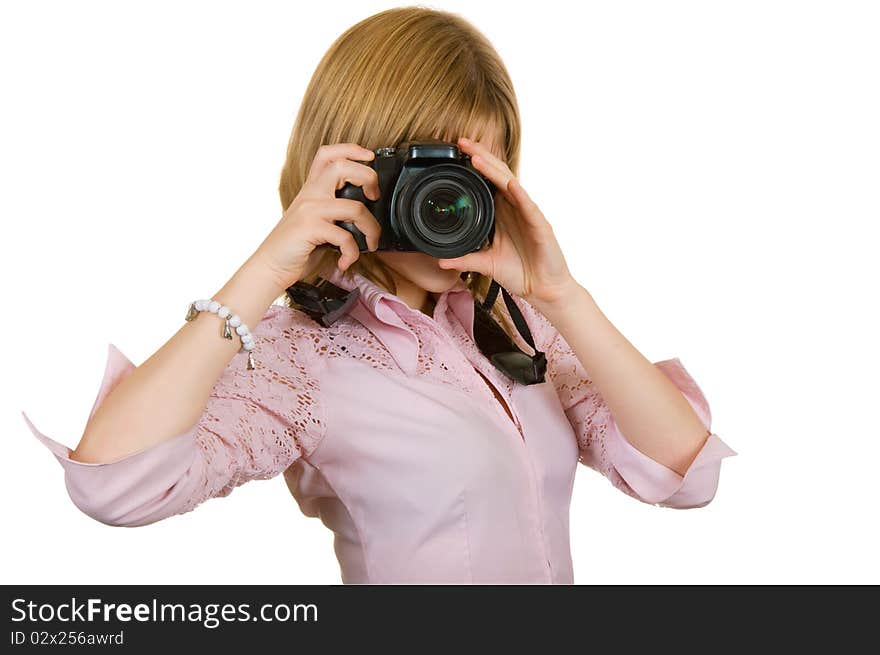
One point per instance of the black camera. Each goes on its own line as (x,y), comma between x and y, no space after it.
(431,200)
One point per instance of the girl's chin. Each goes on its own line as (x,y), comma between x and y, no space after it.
(438,282)
(421,269)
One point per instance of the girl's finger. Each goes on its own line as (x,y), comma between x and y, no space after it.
(499,178)
(489,165)
(342,239)
(479,262)
(513,192)
(333,176)
(333,151)
(347,210)
(529,212)
(475,147)
(500,175)
(524,200)
(502,172)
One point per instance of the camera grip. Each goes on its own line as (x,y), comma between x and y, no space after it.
(353,192)
(359,237)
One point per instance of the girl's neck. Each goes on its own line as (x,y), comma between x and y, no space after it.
(413,295)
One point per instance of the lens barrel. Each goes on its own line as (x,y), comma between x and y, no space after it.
(445,210)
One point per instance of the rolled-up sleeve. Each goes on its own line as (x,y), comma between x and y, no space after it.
(601,444)
(656,483)
(255,424)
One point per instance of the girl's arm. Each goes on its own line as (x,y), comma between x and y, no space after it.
(649,409)
(191,422)
(601,444)
(253,425)
(166,394)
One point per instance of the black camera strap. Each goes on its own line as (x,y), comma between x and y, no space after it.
(324,302)
(518,319)
(502,351)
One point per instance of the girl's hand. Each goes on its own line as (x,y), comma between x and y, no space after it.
(524,257)
(309,221)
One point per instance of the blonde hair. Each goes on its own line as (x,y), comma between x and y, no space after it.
(402,74)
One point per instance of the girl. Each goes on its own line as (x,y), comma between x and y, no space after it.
(391,424)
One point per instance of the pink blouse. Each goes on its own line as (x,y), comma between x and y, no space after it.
(385,431)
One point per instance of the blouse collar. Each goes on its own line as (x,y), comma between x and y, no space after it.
(380,311)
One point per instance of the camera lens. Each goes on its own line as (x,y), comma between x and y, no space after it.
(446,211)
(445,208)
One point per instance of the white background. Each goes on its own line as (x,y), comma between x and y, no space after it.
(711,170)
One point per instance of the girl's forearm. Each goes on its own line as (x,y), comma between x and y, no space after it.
(649,409)
(166,395)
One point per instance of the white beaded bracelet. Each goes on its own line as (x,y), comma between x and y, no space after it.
(231,322)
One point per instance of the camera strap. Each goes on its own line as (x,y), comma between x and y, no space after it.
(324,302)
(516,364)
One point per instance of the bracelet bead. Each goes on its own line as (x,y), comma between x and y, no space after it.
(230,321)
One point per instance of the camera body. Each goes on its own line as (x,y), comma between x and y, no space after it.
(431,200)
